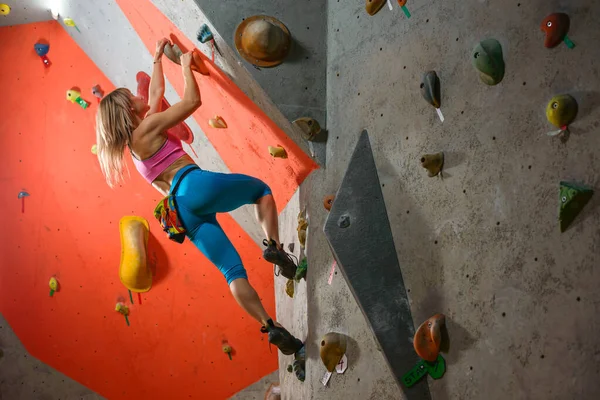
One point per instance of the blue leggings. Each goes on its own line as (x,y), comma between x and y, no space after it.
(200,196)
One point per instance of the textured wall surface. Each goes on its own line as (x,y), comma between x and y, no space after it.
(173,348)
(23,377)
(482,245)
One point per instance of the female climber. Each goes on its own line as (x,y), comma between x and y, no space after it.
(126,121)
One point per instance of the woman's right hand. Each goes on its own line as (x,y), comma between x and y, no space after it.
(186,60)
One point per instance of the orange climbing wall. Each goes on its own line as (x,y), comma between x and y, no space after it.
(243,146)
(70,228)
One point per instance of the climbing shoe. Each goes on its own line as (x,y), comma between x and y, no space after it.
(276,255)
(281,338)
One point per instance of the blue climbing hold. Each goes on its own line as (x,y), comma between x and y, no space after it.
(41,49)
(204,34)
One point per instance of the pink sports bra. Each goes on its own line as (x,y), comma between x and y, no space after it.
(152,167)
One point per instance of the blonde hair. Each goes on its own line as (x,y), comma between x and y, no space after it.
(114,125)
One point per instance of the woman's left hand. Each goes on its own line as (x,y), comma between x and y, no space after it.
(160,47)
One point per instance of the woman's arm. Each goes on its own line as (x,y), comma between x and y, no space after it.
(157,82)
(161,121)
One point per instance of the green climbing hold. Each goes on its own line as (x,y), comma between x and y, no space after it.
(301,270)
(435,369)
(488,60)
(573,199)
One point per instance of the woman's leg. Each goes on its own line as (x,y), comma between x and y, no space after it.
(266,214)
(210,238)
(248,299)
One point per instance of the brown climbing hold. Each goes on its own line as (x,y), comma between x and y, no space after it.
(302,227)
(262,41)
(428,338)
(309,127)
(333,348)
(433,163)
(217,122)
(277,152)
(289,288)
(373,6)
(328,202)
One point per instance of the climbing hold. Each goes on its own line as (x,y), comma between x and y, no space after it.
(227,350)
(373,6)
(289,288)
(71,23)
(328,202)
(428,338)
(123,310)
(98,92)
(561,112)
(217,122)
(556,26)
(204,34)
(488,60)
(134,271)
(173,53)
(302,227)
(290,368)
(433,163)
(22,196)
(573,199)
(53,283)
(41,50)
(74,96)
(4,9)
(430,89)
(299,364)
(309,127)
(333,348)
(277,152)
(94,149)
(263,41)
(435,369)
(301,270)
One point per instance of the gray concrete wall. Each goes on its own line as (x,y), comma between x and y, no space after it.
(297,86)
(23,377)
(483,244)
(257,390)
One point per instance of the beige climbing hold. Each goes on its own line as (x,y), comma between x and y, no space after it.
(289,288)
(333,348)
(94,149)
(309,127)
(373,6)
(433,163)
(277,152)
(173,53)
(302,227)
(217,122)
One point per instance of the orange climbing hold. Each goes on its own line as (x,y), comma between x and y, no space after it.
(428,338)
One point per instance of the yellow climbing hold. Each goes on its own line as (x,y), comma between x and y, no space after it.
(134,270)
(94,149)
(4,9)
(277,152)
